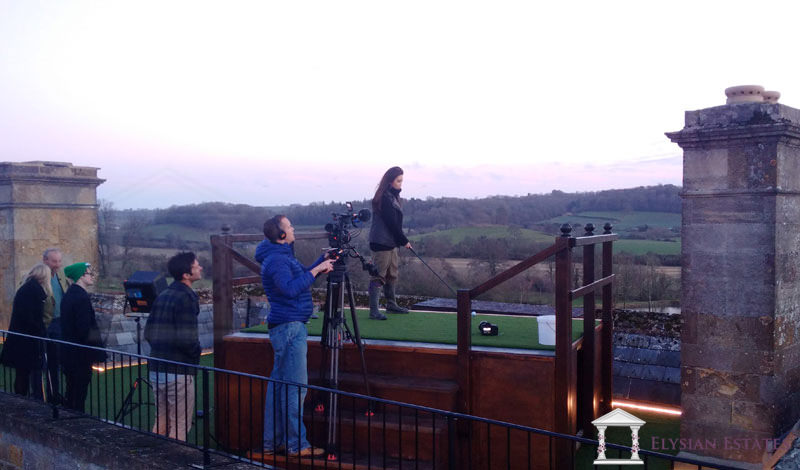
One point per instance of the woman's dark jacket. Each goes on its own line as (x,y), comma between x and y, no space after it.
(386,231)
(79,325)
(26,317)
(172,331)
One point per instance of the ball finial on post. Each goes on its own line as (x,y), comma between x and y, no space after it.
(566,229)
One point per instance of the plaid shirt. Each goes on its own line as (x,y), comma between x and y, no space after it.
(171,329)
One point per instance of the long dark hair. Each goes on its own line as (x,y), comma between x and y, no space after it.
(386,183)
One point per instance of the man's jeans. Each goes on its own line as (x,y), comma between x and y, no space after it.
(284,403)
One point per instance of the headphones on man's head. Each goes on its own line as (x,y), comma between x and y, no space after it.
(273,230)
(281,233)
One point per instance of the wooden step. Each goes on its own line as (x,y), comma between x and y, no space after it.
(430,392)
(422,437)
(343,461)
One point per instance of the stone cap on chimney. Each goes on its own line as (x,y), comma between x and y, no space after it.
(39,170)
(738,116)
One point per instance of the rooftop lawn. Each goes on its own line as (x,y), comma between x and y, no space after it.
(438,327)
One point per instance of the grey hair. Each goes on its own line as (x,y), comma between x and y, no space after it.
(48,251)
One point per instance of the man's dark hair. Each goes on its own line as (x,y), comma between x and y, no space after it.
(272,228)
(181,264)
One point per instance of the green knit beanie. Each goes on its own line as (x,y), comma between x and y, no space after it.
(75,271)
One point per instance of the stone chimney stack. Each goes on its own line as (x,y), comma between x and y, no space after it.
(740,277)
(44,204)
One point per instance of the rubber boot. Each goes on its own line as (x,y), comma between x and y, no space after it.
(391,301)
(374,297)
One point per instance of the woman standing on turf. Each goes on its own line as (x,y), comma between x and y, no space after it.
(385,236)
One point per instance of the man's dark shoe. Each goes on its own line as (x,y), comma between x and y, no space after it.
(308,452)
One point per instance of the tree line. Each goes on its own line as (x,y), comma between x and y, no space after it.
(422,215)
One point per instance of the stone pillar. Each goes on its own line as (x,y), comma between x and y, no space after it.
(740,277)
(44,204)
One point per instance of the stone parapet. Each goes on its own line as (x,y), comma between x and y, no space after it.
(31,439)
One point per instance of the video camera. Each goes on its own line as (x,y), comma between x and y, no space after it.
(339,237)
(338,233)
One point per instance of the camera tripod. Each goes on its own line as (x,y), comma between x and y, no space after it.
(334,333)
(127,404)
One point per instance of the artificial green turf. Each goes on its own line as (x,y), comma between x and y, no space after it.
(435,327)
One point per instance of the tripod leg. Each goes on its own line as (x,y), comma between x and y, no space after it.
(324,338)
(336,334)
(357,337)
(127,401)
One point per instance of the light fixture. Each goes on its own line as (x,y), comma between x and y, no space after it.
(487,329)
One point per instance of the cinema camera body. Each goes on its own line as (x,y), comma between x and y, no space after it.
(340,236)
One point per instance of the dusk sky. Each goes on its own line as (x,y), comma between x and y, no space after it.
(271,103)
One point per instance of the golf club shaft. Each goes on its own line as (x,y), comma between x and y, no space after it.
(434,272)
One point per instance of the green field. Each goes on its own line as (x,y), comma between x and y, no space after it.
(456,235)
(435,327)
(189,234)
(622,221)
(634,247)
(642,247)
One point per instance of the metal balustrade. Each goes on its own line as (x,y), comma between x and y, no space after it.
(394,436)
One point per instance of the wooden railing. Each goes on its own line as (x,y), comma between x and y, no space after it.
(566,396)
(223,254)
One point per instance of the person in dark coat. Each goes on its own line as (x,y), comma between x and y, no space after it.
(26,354)
(385,237)
(172,333)
(79,325)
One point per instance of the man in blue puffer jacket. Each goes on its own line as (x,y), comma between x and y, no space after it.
(287,284)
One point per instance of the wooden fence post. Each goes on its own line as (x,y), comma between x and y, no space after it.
(222,272)
(589,393)
(607,338)
(464,367)
(564,389)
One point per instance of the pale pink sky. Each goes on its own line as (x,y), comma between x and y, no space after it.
(271,103)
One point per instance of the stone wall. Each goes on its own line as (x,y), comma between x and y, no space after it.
(119,329)
(31,439)
(44,204)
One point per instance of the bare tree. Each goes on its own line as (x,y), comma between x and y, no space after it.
(105,233)
(131,234)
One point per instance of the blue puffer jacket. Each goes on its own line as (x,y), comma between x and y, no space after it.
(286,282)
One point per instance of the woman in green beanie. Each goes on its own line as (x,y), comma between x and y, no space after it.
(79,325)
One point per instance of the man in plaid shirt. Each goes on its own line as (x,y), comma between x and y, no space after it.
(172,333)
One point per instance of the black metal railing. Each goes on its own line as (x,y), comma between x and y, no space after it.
(369,432)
